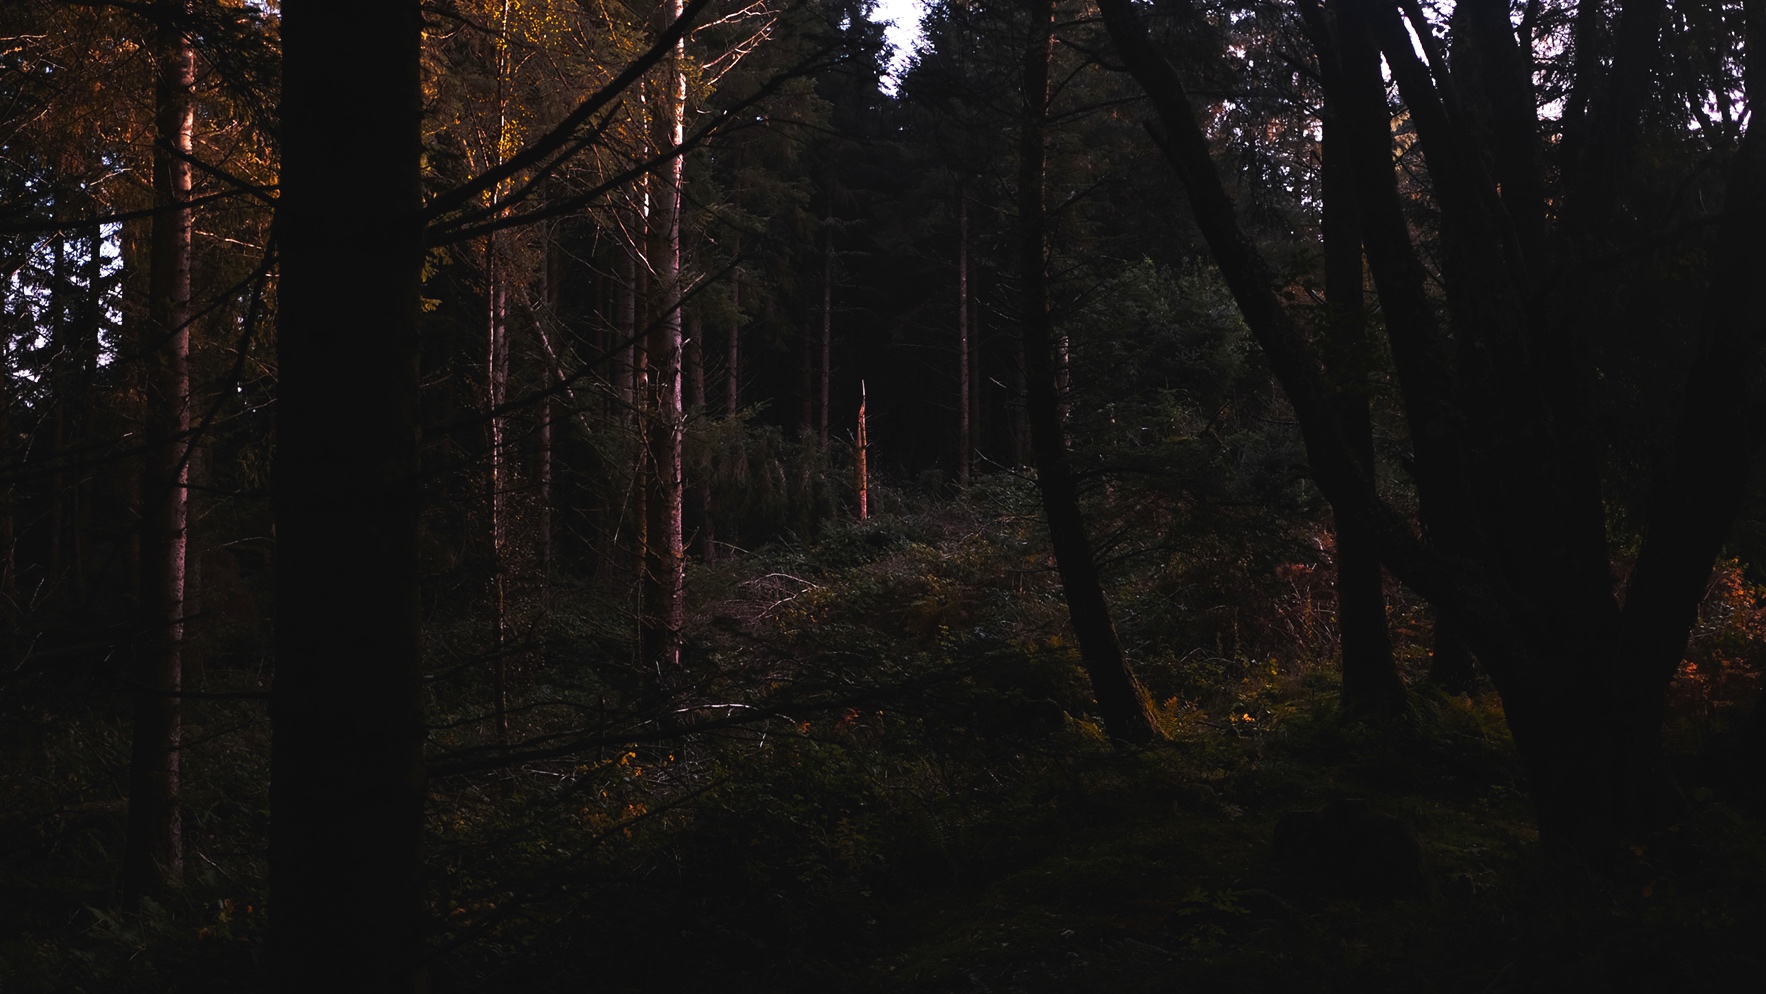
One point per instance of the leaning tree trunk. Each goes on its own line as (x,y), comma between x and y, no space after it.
(1121,701)
(347,773)
(1505,471)
(153,856)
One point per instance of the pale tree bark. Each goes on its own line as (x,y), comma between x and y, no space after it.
(153,855)
(1121,701)
(347,773)
(661,600)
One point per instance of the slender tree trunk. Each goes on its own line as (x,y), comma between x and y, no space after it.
(733,351)
(10,615)
(193,663)
(1371,684)
(496,391)
(496,480)
(1020,411)
(347,773)
(626,335)
(807,417)
(965,438)
(60,289)
(136,279)
(693,353)
(1121,701)
(661,615)
(153,856)
(87,367)
(547,318)
(827,327)
(976,427)
(861,458)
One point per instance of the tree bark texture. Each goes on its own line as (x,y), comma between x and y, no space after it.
(153,855)
(347,770)
(661,605)
(1121,701)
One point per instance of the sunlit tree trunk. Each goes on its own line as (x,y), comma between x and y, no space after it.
(347,772)
(661,611)
(1121,701)
(153,857)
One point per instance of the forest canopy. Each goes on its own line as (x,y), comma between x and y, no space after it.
(509,494)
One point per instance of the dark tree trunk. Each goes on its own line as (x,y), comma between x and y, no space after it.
(153,857)
(827,329)
(733,351)
(497,482)
(861,470)
(1514,550)
(1451,664)
(1121,701)
(965,427)
(347,786)
(693,354)
(1371,684)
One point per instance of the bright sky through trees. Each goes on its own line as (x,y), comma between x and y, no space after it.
(903,33)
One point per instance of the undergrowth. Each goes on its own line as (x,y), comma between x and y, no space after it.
(881,773)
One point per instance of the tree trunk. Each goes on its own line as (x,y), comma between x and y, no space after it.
(347,756)
(1451,664)
(1121,701)
(860,460)
(827,327)
(965,443)
(693,354)
(660,616)
(496,478)
(153,856)
(733,352)
(1371,684)
(1515,550)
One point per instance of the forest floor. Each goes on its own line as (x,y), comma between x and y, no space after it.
(922,804)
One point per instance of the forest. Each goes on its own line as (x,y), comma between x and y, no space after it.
(643,495)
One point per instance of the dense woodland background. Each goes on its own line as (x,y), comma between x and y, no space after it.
(545,494)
